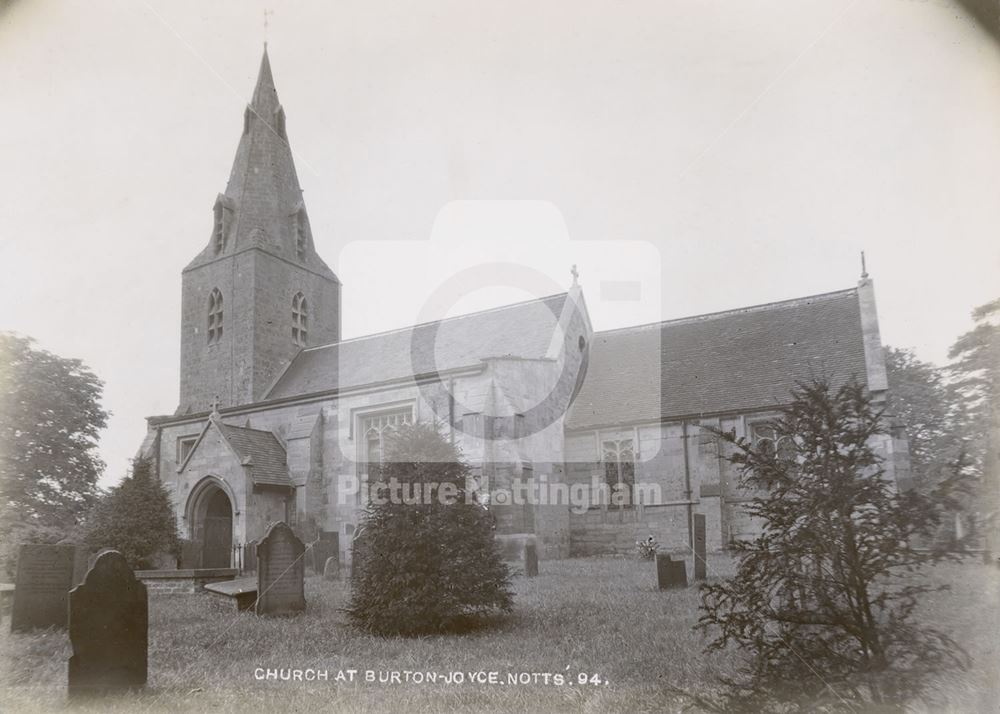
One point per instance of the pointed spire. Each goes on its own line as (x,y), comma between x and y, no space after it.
(265,95)
(262,205)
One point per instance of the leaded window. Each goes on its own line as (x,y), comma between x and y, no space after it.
(214,317)
(375,429)
(300,320)
(767,438)
(619,470)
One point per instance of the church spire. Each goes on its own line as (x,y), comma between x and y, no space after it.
(265,95)
(258,292)
(262,205)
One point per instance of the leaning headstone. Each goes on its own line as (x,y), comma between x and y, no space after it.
(281,571)
(670,573)
(700,565)
(331,571)
(108,629)
(530,560)
(44,578)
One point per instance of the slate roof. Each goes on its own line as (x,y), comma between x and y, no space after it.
(523,330)
(266,452)
(735,361)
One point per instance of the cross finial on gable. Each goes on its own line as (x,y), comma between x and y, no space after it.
(575,273)
(215,404)
(266,13)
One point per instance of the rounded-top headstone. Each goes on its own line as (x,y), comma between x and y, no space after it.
(331,571)
(108,629)
(281,572)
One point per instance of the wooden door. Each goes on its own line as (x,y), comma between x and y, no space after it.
(218,538)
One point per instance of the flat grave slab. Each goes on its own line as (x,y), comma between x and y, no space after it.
(242,593)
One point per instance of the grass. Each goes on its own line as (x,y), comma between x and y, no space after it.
(600,616)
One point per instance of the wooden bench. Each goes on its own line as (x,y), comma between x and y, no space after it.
(240,593)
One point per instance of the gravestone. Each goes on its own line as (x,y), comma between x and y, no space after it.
(281,571)
(44,578)
(323,549)
(670,573)
(530,560)
(700,564)
(250,557)
(108,629)
(81,564)
(331,571)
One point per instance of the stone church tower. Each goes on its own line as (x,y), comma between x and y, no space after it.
(258,293)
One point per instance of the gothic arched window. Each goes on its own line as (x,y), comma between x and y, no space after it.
(214,317)
(770,441)
(300,320)
(619,471)
(374,429)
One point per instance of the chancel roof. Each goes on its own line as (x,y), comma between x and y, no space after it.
(738,360)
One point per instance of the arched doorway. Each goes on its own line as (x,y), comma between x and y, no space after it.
(218,546)
(211,519)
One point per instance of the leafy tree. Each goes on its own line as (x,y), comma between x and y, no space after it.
(928,407)
(136,519)
(823,600)
(50,419)
(425,565)
(939,432)
(976,372)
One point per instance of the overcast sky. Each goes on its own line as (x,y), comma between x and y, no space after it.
(720,153)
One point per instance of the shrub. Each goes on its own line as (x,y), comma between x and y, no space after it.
(427,566)
(136,519)
(828,587)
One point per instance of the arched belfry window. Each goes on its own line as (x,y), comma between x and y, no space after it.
(300,320)
(218,231)
(220,228)
(214,317)
(279,122)
(301,239)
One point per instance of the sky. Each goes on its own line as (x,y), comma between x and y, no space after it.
(688,156)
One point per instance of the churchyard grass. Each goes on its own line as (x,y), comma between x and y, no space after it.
(599,616)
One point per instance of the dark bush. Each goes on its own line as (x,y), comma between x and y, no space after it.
(425,567)
(136,519)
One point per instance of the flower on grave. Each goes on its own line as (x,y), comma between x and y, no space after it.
(647,548)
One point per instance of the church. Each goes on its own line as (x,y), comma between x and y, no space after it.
(279,418)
